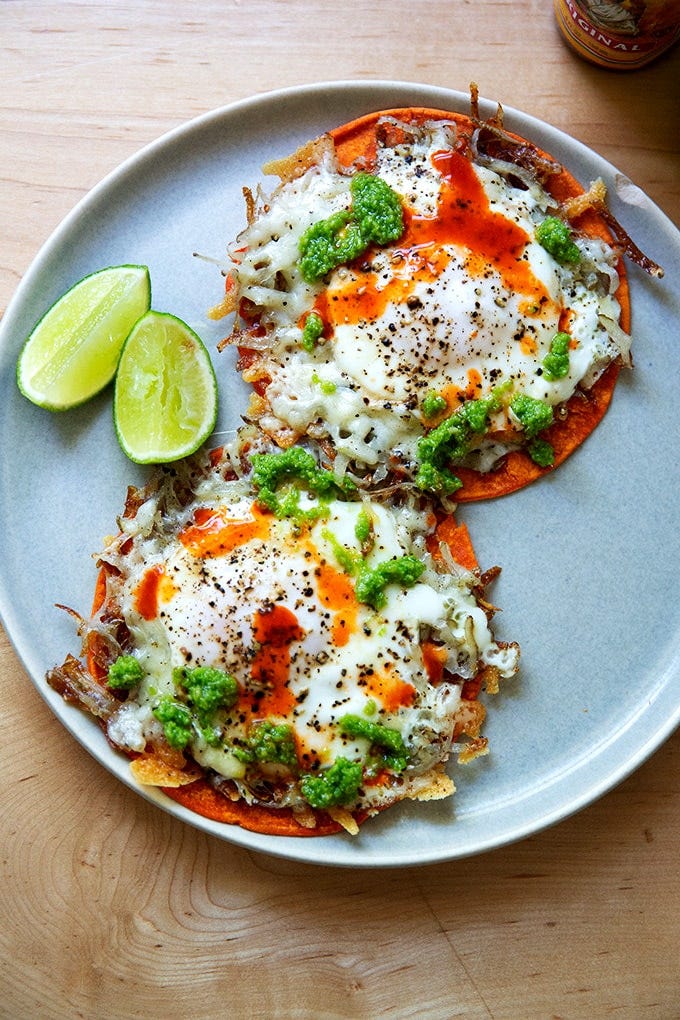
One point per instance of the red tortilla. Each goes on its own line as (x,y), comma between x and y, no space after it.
(356,140)
(202,798)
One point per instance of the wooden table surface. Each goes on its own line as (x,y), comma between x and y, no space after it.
(108,906)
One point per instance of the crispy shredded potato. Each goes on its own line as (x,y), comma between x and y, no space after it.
(227,305)
(305,817)
(308,155)
(475,749)
(251,206)
(152,770)
(491,678)
(469,718)
(595,198)
(345,819)
(441,786)
(590,199)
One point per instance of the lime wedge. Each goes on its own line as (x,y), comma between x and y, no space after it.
(73,351)
(165,398)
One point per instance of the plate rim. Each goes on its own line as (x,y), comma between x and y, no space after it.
(290,847)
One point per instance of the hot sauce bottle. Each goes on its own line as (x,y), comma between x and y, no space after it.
(619,34)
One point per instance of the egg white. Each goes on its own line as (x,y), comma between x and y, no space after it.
(461,331)
(207,605)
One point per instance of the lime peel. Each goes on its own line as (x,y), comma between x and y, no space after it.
(72,353)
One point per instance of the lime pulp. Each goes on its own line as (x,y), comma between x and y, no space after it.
(165,398)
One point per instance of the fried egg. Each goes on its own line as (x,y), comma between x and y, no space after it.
(206,577)
(467,299)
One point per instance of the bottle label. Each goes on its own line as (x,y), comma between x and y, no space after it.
(619,33)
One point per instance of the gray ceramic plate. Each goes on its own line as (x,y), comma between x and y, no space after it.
(589,555)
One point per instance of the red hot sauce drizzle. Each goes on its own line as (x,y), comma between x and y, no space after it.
(147,592)
(212,533)
(464,219)
(274,630)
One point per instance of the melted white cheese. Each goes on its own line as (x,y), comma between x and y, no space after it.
(440,322)
(347,656)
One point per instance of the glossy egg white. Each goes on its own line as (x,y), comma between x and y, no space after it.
(415,318)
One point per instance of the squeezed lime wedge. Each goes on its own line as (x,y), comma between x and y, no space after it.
(165,398)
(73,351)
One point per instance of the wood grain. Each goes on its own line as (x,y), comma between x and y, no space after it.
(109,907)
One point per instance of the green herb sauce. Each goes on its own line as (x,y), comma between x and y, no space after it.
(125,673)
(363,529)
(371,582)
(311,331)
(541,452)
(533,415)
(325,385)
(176,720)
(375,217)
(206,690)
(389,742)
(269,742)
(450,441)
(433,404)
(202,692)
(554,235)
(349,561)
(334,787)
(272,470)
(556,361)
